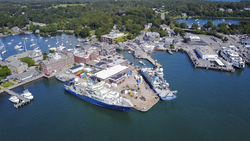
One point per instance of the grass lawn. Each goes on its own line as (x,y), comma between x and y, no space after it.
(6,84)
(65,5)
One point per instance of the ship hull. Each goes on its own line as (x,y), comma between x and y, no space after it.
(167,98)
(99,103)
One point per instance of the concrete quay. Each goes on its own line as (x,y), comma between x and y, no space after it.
(154,62)
(207,67)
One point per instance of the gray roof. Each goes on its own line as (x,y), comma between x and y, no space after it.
(2,63)
(29,53)
(26,74)
(16,63)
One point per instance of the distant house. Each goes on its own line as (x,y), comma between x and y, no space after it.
(246,9)
(184,14)
(147,26)
(112,37)
(165,27)
(221,9)
(230,10)
(15,29)
(37,31)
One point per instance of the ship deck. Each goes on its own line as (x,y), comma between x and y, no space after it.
(131,83)
(145,91)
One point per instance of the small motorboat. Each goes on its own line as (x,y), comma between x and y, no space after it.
(14,99)
(46,40)
(27,94)
(9,43)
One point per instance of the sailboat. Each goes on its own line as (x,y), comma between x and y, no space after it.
(33,44)
(57,40)
(2,45)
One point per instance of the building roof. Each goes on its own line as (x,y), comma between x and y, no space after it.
(104,74)
(26,74)
(54,60)
(75,67)
(206,50)
(116,62)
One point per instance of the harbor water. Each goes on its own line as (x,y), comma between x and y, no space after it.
(211,105)
(201,22)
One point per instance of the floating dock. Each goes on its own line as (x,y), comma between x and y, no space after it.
(24,100)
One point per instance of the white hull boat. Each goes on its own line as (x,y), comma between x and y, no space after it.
(27,94)
(14,99)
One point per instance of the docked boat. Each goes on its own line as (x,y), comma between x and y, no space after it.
(96,93)
(20,49)
(31,40)
(60,48)
(3,52)
(48,45)
(154,77)
(27,94)
(61,78)
(17,47)
(141,62)
(78,45)
(32,45)
(14,99)
(233,57)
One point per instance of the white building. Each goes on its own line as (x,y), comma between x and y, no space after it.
(205,52)
(76,69)
(194,38)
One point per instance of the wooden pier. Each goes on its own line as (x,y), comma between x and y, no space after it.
(154,62)
(24,100)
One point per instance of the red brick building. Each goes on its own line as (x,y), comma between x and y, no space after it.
(87,56)
(57,63)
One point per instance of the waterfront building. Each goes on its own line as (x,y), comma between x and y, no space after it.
(113,37)
(147,47)
(76,69)
(108,49)
(115,74)
(14,64)
(117,62)
(206,52)
(57,62)
(89,54)
(29,74)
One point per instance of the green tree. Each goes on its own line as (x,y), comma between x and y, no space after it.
(4,71)
(195,26)
(182,33)
(183,25)
(52,51)
(163,33)
(45,55)
(209,24)
(176,31)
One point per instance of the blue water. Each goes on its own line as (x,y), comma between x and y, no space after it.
(41,43)
(211,105)
(204,21)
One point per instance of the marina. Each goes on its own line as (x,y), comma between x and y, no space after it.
(23,102)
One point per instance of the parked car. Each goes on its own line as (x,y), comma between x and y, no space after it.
(47,74)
